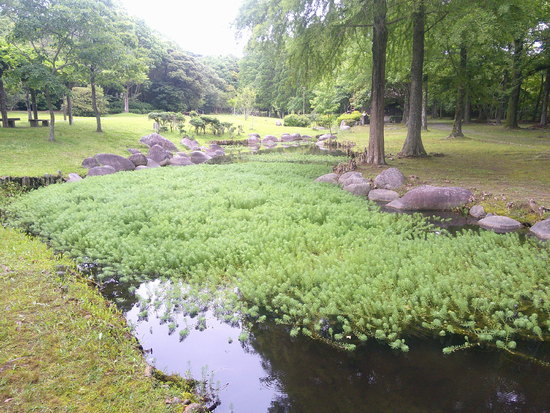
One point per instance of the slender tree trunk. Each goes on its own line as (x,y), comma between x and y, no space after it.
(413,146)
(459,110)
(28,105)
(379,44)
(545,93)
(52,115)
(406,106)
(435,111)
(70,107)
(64,108)
(126,97)
(467,107)
(425,105)
(34,105)
(3,103)
(94,103)
(535,115)
(512,118)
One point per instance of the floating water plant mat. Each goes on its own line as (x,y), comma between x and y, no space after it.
(309,255)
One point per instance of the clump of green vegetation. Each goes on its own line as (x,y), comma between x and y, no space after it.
(62,346)
(301,121)
(308,255)
(350,118)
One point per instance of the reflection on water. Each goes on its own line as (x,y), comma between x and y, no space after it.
(271,372)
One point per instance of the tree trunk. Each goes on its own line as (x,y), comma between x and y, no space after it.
(512,119)
(467,107)
(413,146)
(70,107)
(64,108)
(28,105)
(126,97)
(544,112)
(425,105)
(535,115)
(459,110)
(379,43)
(3,104)
(94,103)
(52,115)
(406,106)
(34,105)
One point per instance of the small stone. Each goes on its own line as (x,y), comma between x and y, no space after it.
(198,157)
(101,170)
(151,163)
(160,155)
(180,161)
(328,178)
(90,163)
(190,144)
(326,136)
(74,178)
(542,229)
(477,211)
(156,139)
(138,159)
(119,163)
(499,223)
(391,178)
(383,195)
(349,175)
(361,189)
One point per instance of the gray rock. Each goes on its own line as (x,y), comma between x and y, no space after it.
(198,157)
(286,137)
(141,167)
(542,229)
(253,140)
(119,163)
(328,178)
(195,408)
(156,139)
(90,163)
(217,149)
(391,178)
(254,135)
(499,223)
(477,211)
(152,164)
(296,137)
(431,198)
(326,136)
(358,189)
(345,127)
(138,159)
(190,144)
(348,175)
(74,178)
(278,123)
(180,161)
(270,138)
(133,151)
(383,195)
(160,155)
(306,137)
(101,170)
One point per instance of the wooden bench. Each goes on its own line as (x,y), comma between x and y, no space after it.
(11,122)
(34,122)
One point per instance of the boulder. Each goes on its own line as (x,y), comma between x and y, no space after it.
(90,163)
(432,198)
(138,159)
(156,139)
(345,127)
(383,195)
(270,138)
(499,223)
(391,178)
(328,178)
(152,164)
(133,151)
(253,140)
(101,170)
(542,229)
(296,137)
(278,123)
(478,212)
(141,167)
(306,137)
(190,144)
(74,178)
(215,154)
(286,137)
(358,189)
(180,161)
(326,136)
(348,175)
(119,163)
(199,157)
(160,155)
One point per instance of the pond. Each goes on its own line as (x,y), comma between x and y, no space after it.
(266,370)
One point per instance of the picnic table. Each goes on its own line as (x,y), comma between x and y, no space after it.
(34,122)
(11,122)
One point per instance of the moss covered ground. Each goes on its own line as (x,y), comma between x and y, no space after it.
(62,346)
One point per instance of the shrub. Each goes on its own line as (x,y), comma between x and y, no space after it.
(168,120)
(349,118)
(297,120)
(82,101)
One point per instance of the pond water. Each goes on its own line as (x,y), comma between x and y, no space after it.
(265,370)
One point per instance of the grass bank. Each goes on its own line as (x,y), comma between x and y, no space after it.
(310,255)
(62,346)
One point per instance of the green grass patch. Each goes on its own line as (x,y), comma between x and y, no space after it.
(62,346)
(309,255)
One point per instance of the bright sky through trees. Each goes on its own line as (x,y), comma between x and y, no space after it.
(198,26)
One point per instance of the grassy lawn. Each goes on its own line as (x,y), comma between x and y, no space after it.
(62,347)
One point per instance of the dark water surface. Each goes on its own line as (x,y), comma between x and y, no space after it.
(271,372)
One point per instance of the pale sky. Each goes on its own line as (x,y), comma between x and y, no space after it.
(198,26)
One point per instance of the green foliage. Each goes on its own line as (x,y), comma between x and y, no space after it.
(297,120)
(306,254)
(350,118)
(82,101)
(168,120)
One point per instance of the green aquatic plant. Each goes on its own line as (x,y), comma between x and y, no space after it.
(308,255)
